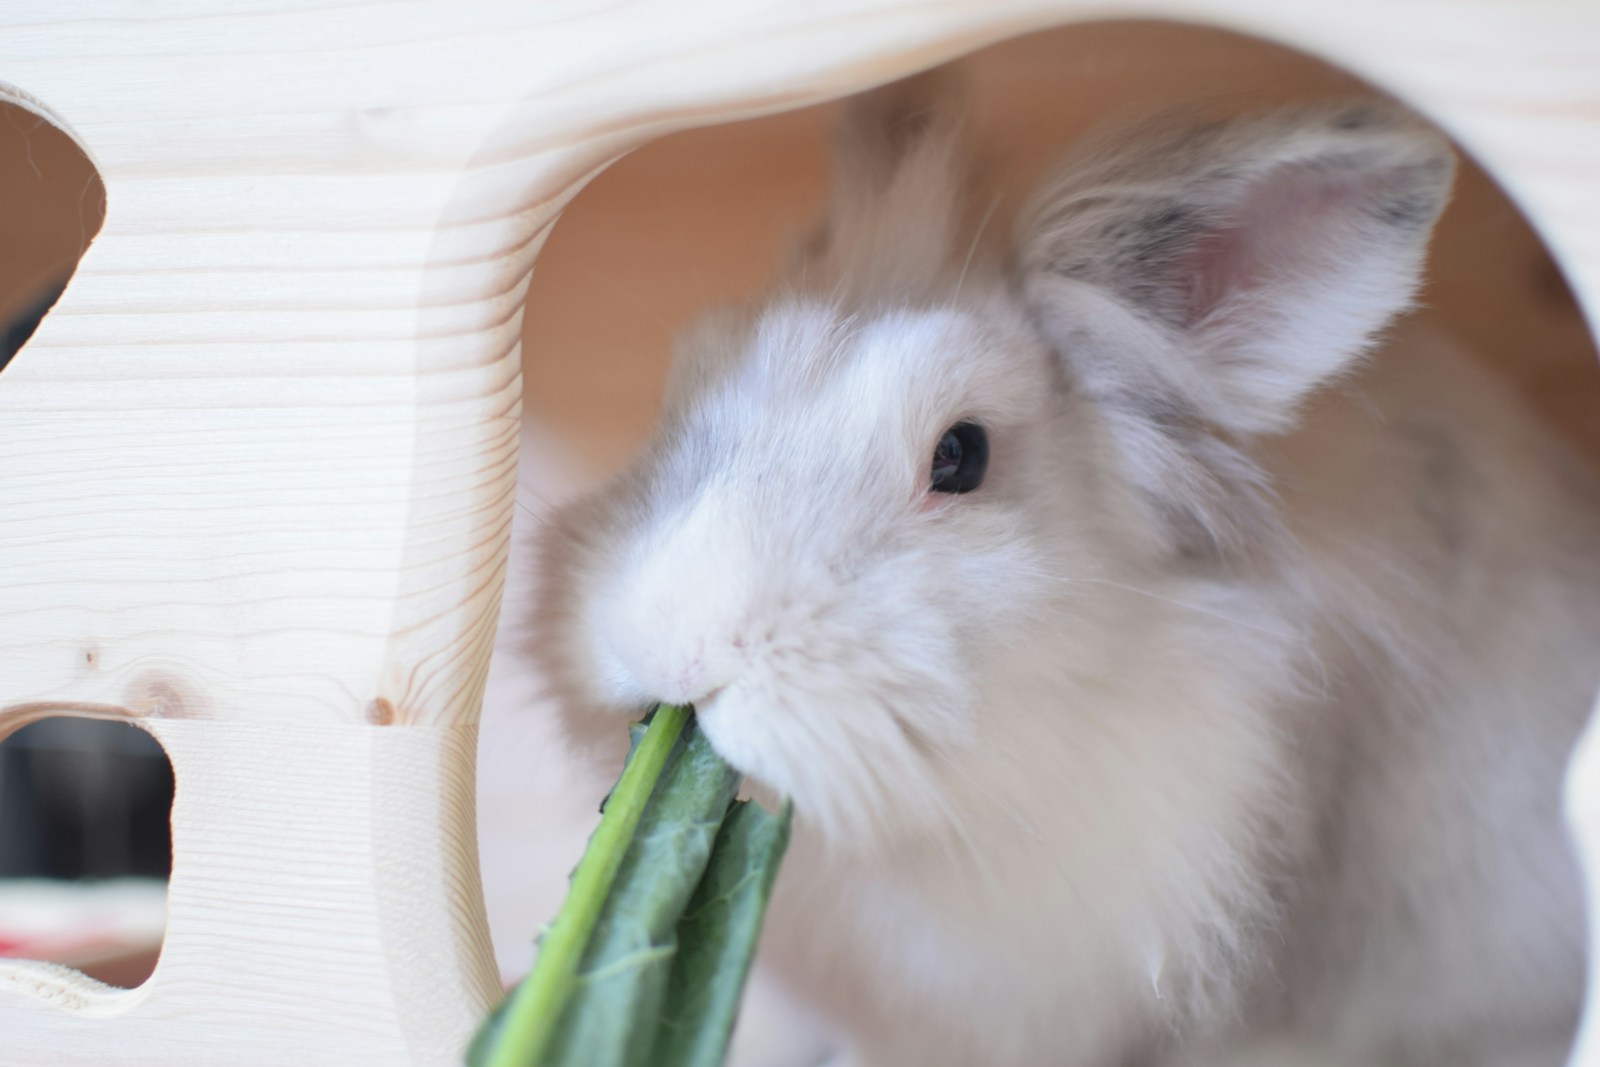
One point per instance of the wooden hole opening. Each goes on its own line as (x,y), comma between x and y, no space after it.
(85,846)
(52,203)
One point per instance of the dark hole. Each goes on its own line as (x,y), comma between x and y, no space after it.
(85,846)
(22,327)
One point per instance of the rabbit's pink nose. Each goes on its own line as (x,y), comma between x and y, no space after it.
(670,621)
(677,675)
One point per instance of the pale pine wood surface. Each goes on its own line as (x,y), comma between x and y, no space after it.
(260,460)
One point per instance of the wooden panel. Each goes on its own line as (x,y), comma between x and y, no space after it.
(259,461)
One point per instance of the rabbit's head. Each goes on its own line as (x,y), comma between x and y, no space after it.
(902,485)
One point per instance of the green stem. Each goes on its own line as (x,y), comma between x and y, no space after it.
(538,1002)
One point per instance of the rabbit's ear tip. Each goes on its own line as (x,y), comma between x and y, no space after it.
(880,129)
(901,110)
(899,193)
(1274,248)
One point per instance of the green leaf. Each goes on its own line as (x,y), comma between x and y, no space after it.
(529,1021)
(610,1021)
(717,935)
(488,1035)
(673,862)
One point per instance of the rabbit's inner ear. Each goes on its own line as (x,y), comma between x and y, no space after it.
(1266,253)
(898,196)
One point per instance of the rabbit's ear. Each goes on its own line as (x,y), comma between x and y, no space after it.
(1229,269)
(898,194)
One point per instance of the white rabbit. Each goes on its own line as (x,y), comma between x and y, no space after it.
(1141,691)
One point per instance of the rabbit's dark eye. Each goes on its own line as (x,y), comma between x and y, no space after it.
(960,459)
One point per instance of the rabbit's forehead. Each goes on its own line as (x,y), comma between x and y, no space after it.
(897,373)
(832,419)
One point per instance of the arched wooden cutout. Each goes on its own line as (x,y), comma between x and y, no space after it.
(51,206)
(263,451)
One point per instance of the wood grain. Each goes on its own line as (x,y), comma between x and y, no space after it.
(261,456)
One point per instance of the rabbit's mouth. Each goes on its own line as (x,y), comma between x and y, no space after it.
(709,697)
(856,764)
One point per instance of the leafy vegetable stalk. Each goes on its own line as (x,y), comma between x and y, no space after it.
(644,965)
(536,1005)
(717,938)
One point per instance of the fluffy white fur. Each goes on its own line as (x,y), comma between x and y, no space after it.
(1211,717)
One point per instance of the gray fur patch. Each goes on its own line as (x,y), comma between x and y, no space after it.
(1446,484)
